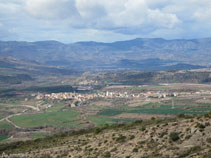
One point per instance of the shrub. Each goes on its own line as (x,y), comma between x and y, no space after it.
(114,149)
(208,140)
(163,134)
(143,128)
(97,130)
(135,150)
(152,118)
(132,137)
(207,124)
(174,136)
(188,137)
(200,125)
(138,121)
(107,154)
(106,125)
(121,139)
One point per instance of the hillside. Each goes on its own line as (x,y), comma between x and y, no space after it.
(166,138)
(138,54)
(16,71)
(152,77)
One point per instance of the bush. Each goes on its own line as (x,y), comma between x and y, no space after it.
(132,137)
(163,134)
(121,139)
(107,154)
(200,125)
(152,118)
(138,121)
(106,125)
(174,136)
(181,115)
(188,137)
(208,140)
(135,150)
(97,130)
(114,149)
(207,124)
(143,128)
(209,114)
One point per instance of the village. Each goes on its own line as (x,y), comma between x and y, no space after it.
(79,97)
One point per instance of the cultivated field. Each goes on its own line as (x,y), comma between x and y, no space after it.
(25,117)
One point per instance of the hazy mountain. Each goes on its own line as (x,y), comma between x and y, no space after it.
(140,53)
(14,71)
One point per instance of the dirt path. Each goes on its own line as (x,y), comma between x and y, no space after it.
(31,107)
(12,123)
(10,116)
(9,121)
(18,114)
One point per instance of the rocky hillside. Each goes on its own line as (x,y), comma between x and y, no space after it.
(179,137)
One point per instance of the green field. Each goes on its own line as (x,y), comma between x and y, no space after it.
(55,108)
(99,120)
(158,87)
(63,119)
(5,125)
(39,135)
(157,109)
(2,138)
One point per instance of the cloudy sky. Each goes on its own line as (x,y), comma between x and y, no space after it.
(103,20)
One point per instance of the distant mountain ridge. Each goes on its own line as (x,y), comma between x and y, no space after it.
(98,55)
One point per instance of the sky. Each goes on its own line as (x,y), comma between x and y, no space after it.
(103,20)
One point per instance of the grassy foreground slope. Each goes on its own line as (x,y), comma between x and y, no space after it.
(166,138)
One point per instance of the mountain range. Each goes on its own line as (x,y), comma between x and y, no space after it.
(137,54)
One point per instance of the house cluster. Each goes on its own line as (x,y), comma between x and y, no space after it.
(139,95)
(83,97)
(77,98)
(203,92)
(65,96)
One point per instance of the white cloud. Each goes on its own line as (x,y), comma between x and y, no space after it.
(203,15)
(160,19)
(51,9)
(129,18)
(8,8)
(92,9)
(101,14)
